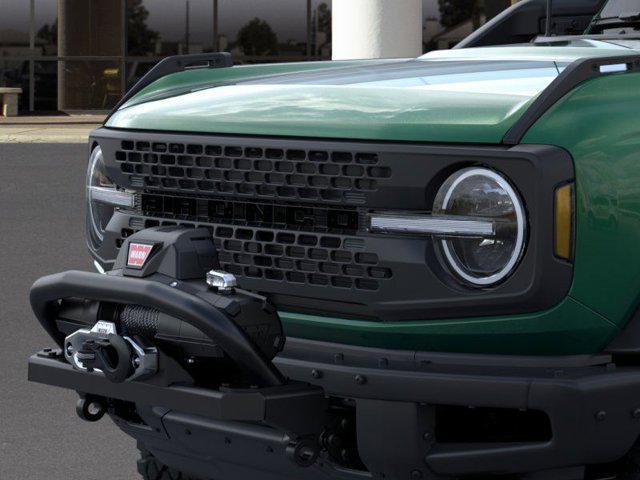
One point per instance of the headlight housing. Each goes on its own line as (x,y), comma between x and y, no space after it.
(481,193)
(103,197)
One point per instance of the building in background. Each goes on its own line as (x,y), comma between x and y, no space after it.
(81,55)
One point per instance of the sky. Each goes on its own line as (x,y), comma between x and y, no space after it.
(287,17)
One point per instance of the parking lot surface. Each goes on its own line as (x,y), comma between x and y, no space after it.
(42,231)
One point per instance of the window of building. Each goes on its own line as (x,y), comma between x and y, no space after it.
(83,54)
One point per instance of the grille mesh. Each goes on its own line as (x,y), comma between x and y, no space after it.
(297,258)
(292,174)
(276,214)
(314,259)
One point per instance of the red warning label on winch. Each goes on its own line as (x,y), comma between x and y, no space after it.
(138,254)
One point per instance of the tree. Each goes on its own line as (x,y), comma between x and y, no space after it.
(324,20)
(258,38)
(141,39)
(454,12)
(49,33)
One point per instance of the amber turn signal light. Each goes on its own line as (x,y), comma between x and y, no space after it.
(564,224)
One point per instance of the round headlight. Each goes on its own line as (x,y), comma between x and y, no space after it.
(98,212)
(482,193)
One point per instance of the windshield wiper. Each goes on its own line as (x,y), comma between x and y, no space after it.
(627,19)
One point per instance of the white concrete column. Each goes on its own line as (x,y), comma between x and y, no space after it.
(9,103)
(376,28)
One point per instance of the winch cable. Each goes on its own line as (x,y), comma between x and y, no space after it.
(139,320)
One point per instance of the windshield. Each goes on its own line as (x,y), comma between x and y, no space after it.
(514,78)
(425,73)
(616,8)
(609,43)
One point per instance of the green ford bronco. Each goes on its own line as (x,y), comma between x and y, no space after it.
(389,269)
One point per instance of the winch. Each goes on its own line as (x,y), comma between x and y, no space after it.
(168,328)
(120,339)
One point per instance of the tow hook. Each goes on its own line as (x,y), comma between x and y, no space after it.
(101,349)
(91,408)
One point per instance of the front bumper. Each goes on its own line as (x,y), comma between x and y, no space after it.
(593,406)
(593,409)
(289,407)
(393,400)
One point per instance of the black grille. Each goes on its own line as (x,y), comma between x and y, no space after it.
(289,217)
(292,174)
(271,215)
(277,214)
(301,244)
(298,258)
(287,256)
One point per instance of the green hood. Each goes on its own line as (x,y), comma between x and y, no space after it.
(472,96)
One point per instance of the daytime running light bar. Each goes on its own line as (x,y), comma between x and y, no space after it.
(432,225)
(112,196)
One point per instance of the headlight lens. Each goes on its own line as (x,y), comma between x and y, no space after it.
(102,196)
(482,193)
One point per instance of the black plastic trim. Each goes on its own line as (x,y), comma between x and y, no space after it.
(372,357)
(573,75)
(233,450)
(430,377)
(591,403)
(174,64)
(540,282)
(628,340)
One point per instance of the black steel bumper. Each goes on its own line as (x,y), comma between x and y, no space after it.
(290,407)
(592,406)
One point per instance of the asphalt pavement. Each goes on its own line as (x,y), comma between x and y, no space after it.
(42,231)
